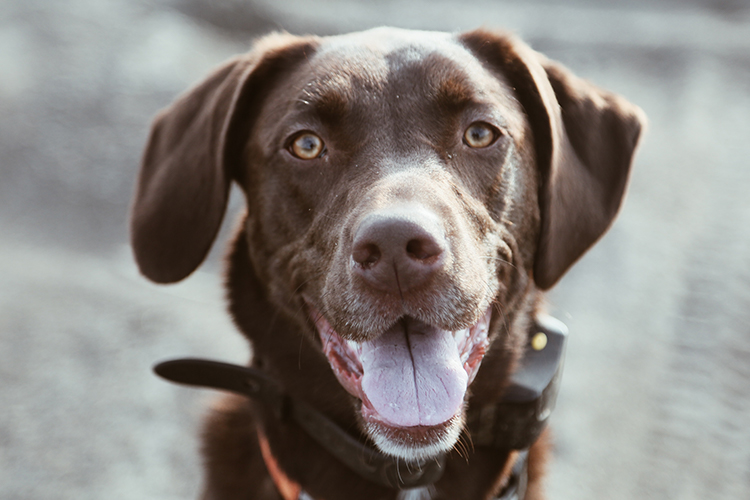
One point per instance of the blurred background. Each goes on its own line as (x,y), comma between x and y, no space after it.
(655,401)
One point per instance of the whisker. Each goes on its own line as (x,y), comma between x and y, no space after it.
(502,315)
(499,259)
(461,449)
(470,443)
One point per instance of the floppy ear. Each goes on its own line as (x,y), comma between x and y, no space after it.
(194,149)
(584,138)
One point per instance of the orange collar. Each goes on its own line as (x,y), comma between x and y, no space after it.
(288,489)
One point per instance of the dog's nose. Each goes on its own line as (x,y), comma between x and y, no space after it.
(396,250)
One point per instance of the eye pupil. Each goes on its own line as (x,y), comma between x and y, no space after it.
(307,146)
(479,135)
(308,143)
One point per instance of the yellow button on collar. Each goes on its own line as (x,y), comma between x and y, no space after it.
(539,341)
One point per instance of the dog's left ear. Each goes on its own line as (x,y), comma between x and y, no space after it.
(194,151)
(584,138)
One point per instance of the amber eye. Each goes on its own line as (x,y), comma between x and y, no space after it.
(479,135)
(307,146)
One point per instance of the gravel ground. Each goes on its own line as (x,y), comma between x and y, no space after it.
(655,402)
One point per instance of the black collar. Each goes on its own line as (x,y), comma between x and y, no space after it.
(513,423)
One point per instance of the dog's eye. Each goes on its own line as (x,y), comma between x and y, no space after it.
(480,135)
(307,146)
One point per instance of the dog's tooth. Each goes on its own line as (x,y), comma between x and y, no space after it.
(461,337)
(458,336)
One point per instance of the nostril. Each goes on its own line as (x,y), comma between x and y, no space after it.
(366,254)
(423,248)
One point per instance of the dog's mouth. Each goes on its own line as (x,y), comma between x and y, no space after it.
(412,381)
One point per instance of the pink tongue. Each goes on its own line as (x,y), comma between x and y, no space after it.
(412,381)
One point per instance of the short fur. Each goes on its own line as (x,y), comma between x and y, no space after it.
(391,107)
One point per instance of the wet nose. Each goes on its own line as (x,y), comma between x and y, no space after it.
(400,249)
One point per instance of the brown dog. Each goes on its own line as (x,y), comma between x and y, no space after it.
(409,197)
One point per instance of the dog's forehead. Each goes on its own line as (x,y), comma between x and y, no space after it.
(388,59)
(380,43)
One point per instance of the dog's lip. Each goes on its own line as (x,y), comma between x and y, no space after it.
(345,358)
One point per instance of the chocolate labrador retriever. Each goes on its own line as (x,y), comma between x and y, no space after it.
(410,195)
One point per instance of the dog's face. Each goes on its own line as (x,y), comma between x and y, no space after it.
(408,195)
(387,174)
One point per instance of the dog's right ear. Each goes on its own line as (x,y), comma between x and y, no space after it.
(193,151)
(584,138)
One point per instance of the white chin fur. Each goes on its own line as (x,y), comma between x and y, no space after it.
(416,453)
(423,493)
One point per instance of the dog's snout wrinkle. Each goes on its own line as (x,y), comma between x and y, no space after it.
(398,249)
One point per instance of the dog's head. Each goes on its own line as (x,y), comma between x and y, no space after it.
(409,192)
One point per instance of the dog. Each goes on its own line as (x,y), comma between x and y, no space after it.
(410,196)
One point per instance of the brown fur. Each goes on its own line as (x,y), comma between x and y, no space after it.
(392,107)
